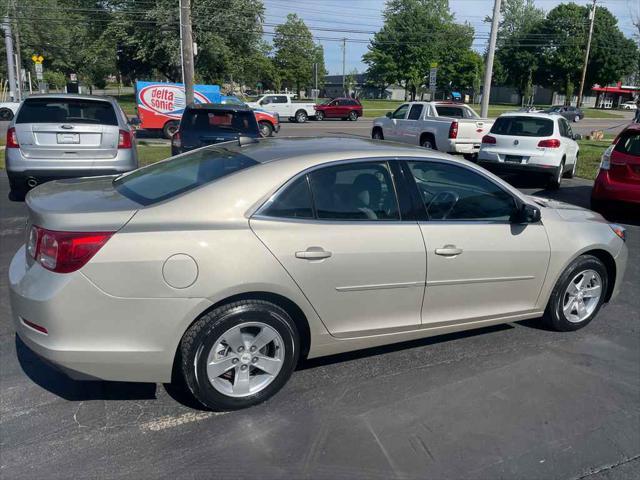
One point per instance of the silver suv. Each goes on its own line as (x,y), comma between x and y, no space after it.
(62,135)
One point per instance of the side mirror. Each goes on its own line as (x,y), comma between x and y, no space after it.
(527,214)
(388,114)
(577,136)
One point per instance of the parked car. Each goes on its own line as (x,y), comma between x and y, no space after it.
(8,110)
(63,135)
(284,106)
(619,176)
(629,106)
(445,126)
(531,143)
(207,123)
(343,108)
(228,264)
(267,121)
(573,114)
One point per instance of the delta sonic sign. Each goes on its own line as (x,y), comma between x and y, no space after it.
(159,103)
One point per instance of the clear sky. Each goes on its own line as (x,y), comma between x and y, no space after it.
(357,18)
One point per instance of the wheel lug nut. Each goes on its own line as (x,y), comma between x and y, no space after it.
(254,359)
(240,349)
(234,361)
(243,367)
(253,349)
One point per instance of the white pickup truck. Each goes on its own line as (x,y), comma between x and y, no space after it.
(445,126)
(283,105)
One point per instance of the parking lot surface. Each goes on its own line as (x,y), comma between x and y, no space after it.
(512,401)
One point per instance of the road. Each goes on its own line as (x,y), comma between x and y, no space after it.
(512,401)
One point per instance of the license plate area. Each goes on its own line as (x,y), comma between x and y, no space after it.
(513,159)
(68,138)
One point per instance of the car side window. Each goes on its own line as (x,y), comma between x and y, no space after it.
(562,123)
(294,201)
(280,99)
(415,112)
(354,191)
(455,193)
(400,112)
(568,129)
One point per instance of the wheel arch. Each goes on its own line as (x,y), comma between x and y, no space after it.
(430,135)
(610,264)
(377,128)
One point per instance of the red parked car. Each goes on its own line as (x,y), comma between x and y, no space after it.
(344,108)
(619,177)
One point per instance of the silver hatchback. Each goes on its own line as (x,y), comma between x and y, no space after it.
(62,135)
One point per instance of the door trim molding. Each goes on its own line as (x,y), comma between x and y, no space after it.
(381,286)
(464,281)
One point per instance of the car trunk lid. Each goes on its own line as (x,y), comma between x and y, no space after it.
(80,204)
(65,140)
(625,158)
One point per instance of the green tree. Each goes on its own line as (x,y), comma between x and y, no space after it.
(415,34)
(295,53)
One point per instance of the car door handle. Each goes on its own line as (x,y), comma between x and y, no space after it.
(313,253)
(448,251)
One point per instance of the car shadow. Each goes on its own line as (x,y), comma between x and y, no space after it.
(395,347)
(56,382)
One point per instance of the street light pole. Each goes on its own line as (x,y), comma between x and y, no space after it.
(186,40)
(344,53)
(488,69)
(586,55)
(11,67)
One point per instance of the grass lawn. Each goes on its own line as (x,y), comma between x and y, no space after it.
(148,153)
(589,160)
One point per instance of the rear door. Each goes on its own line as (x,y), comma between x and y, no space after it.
(571,146)
(67,129)
(361,267)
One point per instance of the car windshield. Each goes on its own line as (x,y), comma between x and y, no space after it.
(212,121)
(67,110)
(174,176)
(523,126)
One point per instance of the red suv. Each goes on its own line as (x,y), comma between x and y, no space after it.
(344,108)
(619,177)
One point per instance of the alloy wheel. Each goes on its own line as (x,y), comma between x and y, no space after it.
(582,296)
(245,359)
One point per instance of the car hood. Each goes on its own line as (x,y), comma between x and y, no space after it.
(567,211)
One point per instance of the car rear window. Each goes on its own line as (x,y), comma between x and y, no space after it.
(172,177)
(219,121)
(629,144)
(523,126)
(67,110)
(455,112)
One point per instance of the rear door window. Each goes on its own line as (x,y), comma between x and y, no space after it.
(415,112)
(172,177)
(219,121)
(523,126)
(67,110)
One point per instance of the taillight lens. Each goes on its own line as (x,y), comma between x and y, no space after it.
(549,143)
(176,140)
(489,139)
(64,252)
(605,161)
(12,138)
(124,139)
(453,130)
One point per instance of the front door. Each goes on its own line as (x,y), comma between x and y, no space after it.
(360,266)
(393,131)
(479,264)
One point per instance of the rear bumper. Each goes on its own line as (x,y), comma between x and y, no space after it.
(502,167)
(606,188)
(463,147)
(92,335)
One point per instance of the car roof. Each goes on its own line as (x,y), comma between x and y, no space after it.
(71,95)
(551,116)
(228,107)
(632,126)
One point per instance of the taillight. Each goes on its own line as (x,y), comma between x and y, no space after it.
(12,138)
(453,130)
(549,143)
(124,139)
(64,252)
(489,139)
(176,140)
(605,161)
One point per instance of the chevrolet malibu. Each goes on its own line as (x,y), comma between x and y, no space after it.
(227,265)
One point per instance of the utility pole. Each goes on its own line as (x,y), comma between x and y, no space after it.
(592,14)
(16,34)
(11,67)
(186,40)
(344,53)
(488,69)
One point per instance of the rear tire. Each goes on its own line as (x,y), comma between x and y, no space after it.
(6,114)
(170,128)
(576,119)
(428,142)
(226,336)
(578,295)
(556,180)
(377,134)
(266,130)
(353,116)
(301,116)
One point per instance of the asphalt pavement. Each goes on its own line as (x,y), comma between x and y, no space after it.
(511,401)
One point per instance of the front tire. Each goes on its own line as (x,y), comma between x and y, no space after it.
(239,355)
(170,128)
(578,295)
(571,173)
(266,130)
(319,116)
(576,119)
